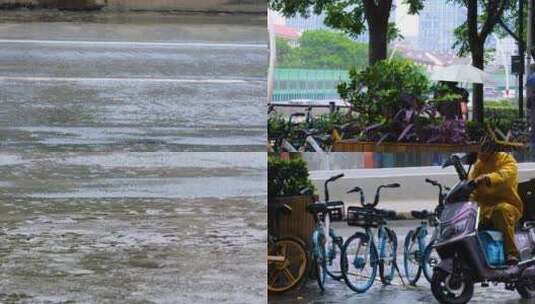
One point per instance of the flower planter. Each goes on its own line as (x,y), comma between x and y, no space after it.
(352,145)
(299,223)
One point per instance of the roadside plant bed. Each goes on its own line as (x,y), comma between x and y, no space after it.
(352,145)
(394,102)
(286,178)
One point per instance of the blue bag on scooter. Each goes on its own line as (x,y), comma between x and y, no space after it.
(492,242)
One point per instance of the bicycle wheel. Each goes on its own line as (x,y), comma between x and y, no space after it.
(359,262)
(411,258)
(287,262)
(333,261)
(319,260)
(430,260)
(387,256)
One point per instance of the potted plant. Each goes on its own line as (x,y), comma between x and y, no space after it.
(286,178)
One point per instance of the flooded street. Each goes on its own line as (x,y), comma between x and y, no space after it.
(91,82)
(132,227)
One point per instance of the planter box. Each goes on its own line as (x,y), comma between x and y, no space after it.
(299,223)
(352,145)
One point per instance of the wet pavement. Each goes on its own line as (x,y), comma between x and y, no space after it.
(132,227)
(132,82)
(338,293)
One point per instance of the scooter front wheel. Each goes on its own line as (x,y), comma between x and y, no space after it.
(450,290)
(526,289)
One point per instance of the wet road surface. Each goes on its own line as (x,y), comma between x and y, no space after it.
(132,82)
(338,293)
(132,227)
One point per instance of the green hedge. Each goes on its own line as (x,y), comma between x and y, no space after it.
(287,177)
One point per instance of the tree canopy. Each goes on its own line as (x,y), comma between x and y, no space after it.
(322,49)
(353,18)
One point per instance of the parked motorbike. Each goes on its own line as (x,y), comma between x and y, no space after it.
(469,255)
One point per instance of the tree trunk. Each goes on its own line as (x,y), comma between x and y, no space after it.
(378,41)
(477,94)
(377,15)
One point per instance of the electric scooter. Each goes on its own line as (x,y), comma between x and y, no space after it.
(470,255)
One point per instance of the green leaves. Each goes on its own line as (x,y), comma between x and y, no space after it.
(321,49)
(377,90)
(353,17)
(287,177)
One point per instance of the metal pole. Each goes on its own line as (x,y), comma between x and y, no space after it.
(531,91)
(521,52)
(272,56)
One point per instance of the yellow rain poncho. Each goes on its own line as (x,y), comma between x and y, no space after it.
(501,206)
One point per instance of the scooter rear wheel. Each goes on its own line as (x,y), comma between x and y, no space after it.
(448,292)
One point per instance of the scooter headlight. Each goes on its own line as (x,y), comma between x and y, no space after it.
(452,230)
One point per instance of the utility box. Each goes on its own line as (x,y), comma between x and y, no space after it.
(517,65)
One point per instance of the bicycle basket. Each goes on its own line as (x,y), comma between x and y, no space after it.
(336,211)
(361,217)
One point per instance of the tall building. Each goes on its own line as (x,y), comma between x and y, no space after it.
(437,22)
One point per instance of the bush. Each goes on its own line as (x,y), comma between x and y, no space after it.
(376,91)
(287,177)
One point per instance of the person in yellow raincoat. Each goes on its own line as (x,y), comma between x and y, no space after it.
(495,174)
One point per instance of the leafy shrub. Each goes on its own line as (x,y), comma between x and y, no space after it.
(377,90)
(287,177)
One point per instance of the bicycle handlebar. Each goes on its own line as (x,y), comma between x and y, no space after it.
(357,190)
(333,178)
(330,179)
(432,182)
(378,191)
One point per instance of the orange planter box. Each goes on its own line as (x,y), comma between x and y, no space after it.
(351,145)
(299,223)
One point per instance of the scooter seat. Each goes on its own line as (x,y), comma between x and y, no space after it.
(421,215)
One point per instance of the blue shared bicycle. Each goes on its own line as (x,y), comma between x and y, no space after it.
(326,246)
(363,254)
(419,255)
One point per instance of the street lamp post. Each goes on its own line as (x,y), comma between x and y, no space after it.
(521,53)
(531,62)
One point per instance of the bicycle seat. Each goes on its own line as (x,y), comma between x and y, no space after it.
(310,132)
(317,208)
(388,214)
(421,215)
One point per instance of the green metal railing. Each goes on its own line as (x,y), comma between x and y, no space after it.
(291,84)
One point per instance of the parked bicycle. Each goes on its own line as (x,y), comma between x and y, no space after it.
(326,245)
(419,255)
(298,137)
(287,256)
(362,254)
